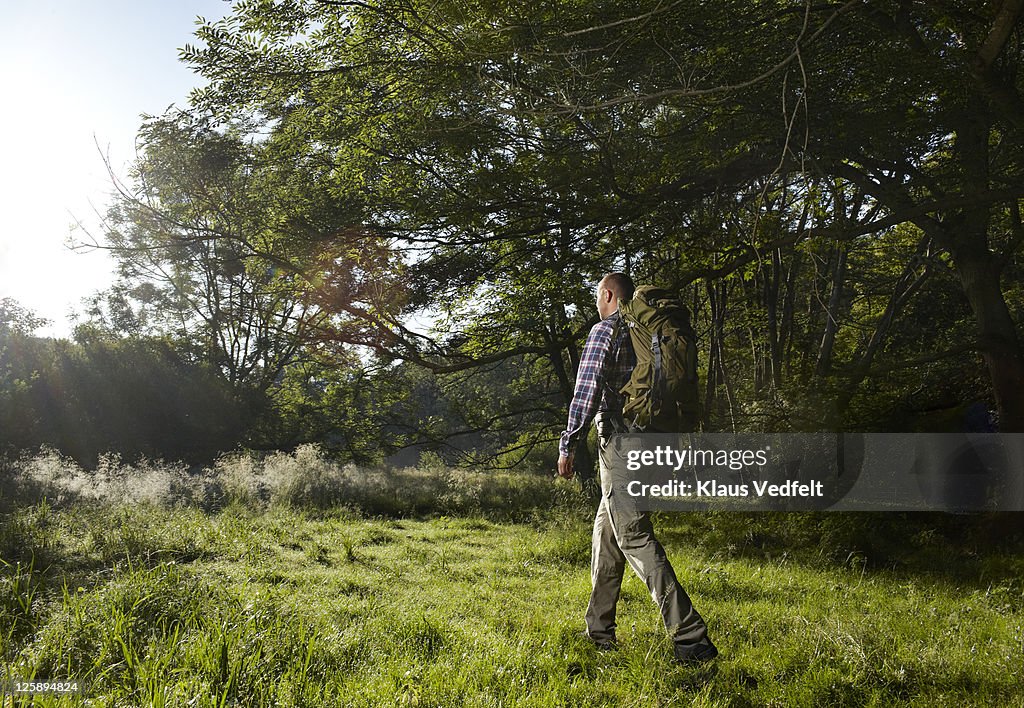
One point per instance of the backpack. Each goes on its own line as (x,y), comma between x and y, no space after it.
(662,393)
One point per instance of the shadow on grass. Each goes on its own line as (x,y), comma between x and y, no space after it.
(976,551)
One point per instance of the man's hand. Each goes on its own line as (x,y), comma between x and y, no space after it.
(565,466)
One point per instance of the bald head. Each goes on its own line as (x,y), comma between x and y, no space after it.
(612,288)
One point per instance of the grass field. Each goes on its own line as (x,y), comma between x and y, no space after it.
(155,605)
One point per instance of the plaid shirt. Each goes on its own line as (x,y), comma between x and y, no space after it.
(605,366)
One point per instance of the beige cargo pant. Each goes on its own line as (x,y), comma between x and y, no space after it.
(623,533)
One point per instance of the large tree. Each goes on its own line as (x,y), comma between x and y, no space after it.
(502,156)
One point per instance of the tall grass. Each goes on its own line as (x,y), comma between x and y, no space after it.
(176,607)
(305,478)
(292,580)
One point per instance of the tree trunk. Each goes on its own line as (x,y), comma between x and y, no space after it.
(772,304)
(788,308)
(718,293)
(997,334)
(980,272)
(711,380)
(828,339)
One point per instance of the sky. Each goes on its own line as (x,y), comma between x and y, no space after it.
(76,75)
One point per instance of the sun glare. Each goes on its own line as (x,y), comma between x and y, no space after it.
(53,176)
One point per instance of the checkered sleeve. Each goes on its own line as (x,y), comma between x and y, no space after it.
(586,397)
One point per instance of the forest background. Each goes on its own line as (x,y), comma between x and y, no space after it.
(300,452)
(380,225)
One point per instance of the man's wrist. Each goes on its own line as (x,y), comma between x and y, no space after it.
(566,446)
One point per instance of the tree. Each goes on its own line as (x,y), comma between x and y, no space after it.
(15,317)
(503,157)
(198,259)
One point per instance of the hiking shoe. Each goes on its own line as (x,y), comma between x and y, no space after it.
(694,654)
(602,644)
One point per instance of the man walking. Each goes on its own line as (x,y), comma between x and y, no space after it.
(622,533)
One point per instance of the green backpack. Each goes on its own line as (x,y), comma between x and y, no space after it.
(662,394)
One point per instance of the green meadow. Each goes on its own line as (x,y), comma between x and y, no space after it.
(156,587)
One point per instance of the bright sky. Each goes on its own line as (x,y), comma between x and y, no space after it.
(74,74)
